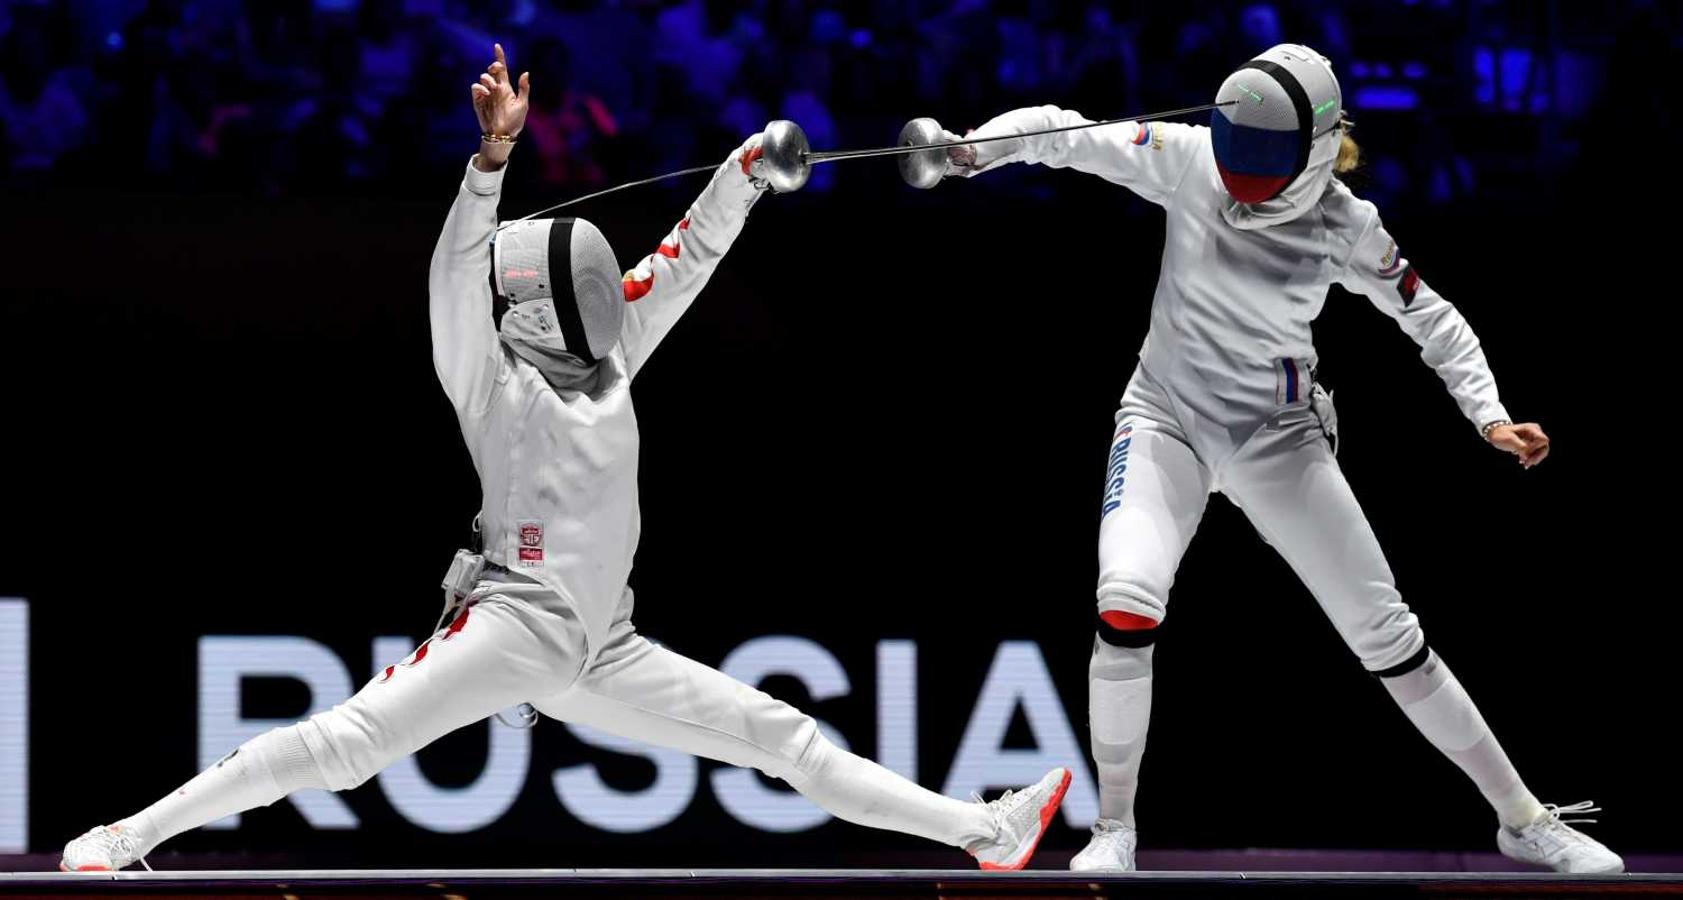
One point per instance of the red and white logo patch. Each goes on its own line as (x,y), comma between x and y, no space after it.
(531,544)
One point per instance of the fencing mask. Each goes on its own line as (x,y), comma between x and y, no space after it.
(561,286)
(1275,145)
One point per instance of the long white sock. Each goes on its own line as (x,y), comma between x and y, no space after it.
(261,771)
(1119,713)
(1435,702)
(858,790)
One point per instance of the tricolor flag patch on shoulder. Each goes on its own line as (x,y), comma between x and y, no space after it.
(1390,261)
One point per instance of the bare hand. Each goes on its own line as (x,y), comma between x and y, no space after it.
(501,109)
(1526,441)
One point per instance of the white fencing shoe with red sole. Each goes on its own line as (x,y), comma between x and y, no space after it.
(1022,817)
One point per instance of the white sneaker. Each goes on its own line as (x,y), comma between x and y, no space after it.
(1021,817)
(1551,842)
(103,849)
(1110,850)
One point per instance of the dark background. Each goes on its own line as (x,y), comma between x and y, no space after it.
(887,416)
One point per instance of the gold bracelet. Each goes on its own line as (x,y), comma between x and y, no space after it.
(490,138)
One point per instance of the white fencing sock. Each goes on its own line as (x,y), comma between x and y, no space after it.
(1436,703)
(1118,712)
(261,771)
(858,790)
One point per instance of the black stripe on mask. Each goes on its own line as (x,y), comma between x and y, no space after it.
(566,302)
(1299,100)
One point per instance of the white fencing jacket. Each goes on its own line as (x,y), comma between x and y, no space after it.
(558,470)
(1230,317)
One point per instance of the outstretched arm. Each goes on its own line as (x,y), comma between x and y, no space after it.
(1148,158)
(663,285)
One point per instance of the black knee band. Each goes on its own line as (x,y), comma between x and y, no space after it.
(1408,665)
(1133,638)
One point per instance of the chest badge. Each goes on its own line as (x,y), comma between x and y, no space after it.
(531,544)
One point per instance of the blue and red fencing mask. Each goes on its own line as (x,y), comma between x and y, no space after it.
(1286,104)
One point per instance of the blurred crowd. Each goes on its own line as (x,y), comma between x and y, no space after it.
(300,96)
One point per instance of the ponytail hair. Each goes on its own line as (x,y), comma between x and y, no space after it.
(1349,152)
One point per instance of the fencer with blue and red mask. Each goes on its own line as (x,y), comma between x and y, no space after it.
(1276,134)
(1258,227)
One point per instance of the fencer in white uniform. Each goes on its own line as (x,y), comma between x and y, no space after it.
(1224,399)
(543,398)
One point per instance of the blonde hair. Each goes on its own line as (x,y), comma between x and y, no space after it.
(1349,152)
